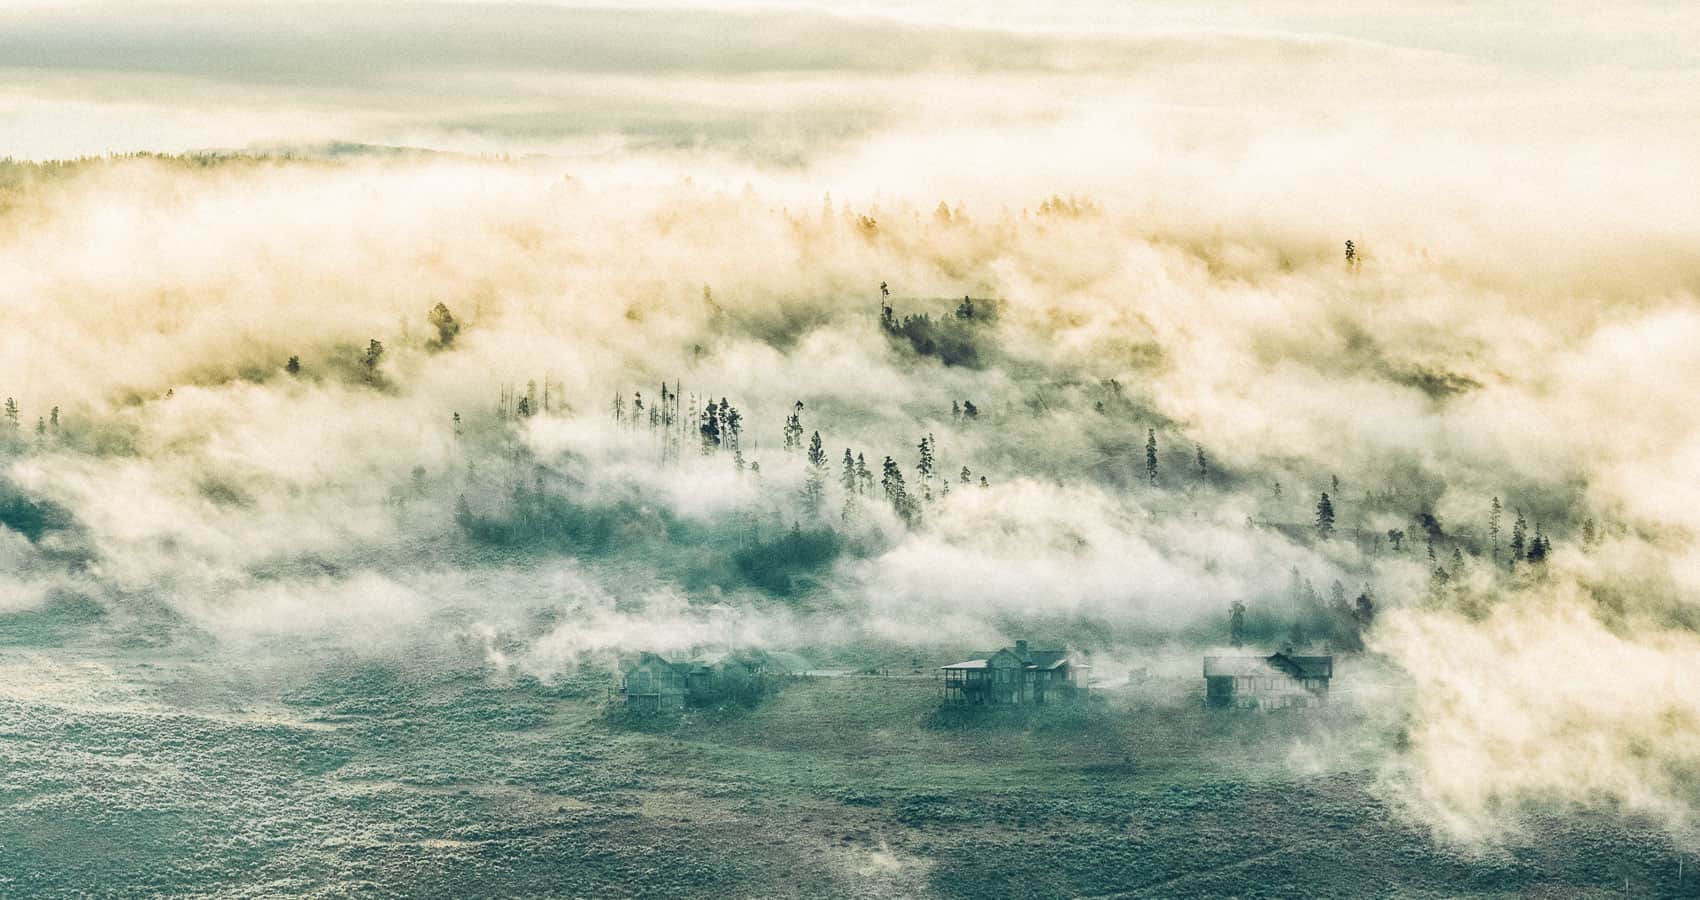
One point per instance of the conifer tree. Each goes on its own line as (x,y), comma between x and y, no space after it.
(374,353)
(293,365)
(1364,612)
(1203,466)
(1324,517)
(925,466)
(1519,531)
(814,488)
(794,429)
(864,478)
(1151,456)
(895,492)
(1538,546)
(1236,624)
(708,428)
(1494,512)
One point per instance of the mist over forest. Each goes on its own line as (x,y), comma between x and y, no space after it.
(904,341)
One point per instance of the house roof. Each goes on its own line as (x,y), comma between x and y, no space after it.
(1274,664)
(1304,666)
(1031,659)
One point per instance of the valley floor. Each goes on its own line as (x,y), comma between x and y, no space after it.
(129,778)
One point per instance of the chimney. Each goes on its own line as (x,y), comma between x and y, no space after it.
(1021,649)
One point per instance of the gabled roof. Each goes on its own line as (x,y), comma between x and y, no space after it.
(1032,659)
(1304,666)
(1274,664)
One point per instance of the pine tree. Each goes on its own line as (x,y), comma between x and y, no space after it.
(374,354)
(895,493)
(814,489)
(1151,456)
(1236,624)
(53,419)
(1518,534)
(1324,517)
(794,429)
(1494,512)
(709,428)
(967,476)
(1457,561)
(847,478)
(293,366)
(1589,532)
(925,466)
(864,478)
(732,424)
(969,410)
(1203,466)
(1538,547)
(11,414)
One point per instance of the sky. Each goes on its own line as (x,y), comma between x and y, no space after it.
(1151,200)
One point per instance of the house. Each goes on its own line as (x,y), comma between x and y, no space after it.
(1014,676)
(653,683)
(1267,682)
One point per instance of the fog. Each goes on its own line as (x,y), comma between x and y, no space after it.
(1148,211)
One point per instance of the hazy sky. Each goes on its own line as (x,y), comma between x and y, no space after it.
(795,84)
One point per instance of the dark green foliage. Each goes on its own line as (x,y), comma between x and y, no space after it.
(954,341)
(293,365)
(794,428)
(443,322)
(1151,456)
(1324,517)
(790,564)
(29,516)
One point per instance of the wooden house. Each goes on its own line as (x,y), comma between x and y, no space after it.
(653,683)
(1267,682)
(1015,676)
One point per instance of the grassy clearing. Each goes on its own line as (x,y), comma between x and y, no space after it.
(378,781)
